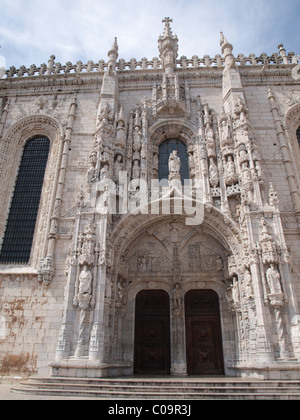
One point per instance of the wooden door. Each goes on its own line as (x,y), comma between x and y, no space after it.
(203,333)
(152,333)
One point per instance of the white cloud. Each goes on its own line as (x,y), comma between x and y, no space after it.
(31,30)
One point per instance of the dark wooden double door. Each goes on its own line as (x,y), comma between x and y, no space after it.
(152,350)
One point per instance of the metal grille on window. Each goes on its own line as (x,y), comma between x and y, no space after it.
(298,135)
(17,242)
(165,149)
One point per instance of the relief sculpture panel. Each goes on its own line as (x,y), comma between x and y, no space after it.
(202,254)
(148,256)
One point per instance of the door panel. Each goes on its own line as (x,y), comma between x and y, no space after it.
(203,333)
(152,333)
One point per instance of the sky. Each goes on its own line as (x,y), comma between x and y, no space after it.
(72,30)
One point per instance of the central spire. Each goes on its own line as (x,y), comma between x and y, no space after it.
(168,47)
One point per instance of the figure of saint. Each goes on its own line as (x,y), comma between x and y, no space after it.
(177,297)
(248,284)
(225,131)
(213,173)
(136,170)
(273,279)
(90,176)
(137,135)
(104,172)
(235,291)
(174,163)
(121,135)
(118,165)
(85,282)
(230,168)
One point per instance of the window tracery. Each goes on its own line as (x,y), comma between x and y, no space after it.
(18,237)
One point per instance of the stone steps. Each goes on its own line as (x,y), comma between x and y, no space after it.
(161,388)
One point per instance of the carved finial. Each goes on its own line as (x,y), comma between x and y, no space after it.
(113,55)
(167,22)
(227,51)
(115,45)
(222,38)
(273,197)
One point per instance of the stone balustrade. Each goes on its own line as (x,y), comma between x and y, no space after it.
(54,68)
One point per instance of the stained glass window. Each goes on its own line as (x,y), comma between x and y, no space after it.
(165,149)
(18,237)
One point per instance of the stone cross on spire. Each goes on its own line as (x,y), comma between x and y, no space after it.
(168,31)
(168,47)
(167,20)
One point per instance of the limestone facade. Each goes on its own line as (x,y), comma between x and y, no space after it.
(104,233)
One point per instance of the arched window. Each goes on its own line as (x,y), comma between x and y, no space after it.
(298,135)
(165,149)
(18,237)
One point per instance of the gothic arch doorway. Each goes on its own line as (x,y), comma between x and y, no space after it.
(152,333)
(204,350)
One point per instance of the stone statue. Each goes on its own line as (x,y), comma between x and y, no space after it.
(136,170)
(174,163)
(230,168)
(85,282)
(248,284)
(90,176)
(213,173)
(118,165)
(235,291)
(104,172)
(273,279)
(177,297)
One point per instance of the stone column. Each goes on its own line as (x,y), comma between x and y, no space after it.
(178,361)
(46,267)
(97,339)
(66,329)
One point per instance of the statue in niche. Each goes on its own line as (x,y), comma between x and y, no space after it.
(104,155)
(235,291)
(104,172)
(121,135)
(121,292)
(210,134)
(137,135)
(246,172)
(230,168)
(143,263)
(84,290)
(213,173)
(248,284)
(231,176)
(177,297)
(85,282)
(118,165)
(225,131)
(174,163)
(90,176)
(136,170)
(273,280)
